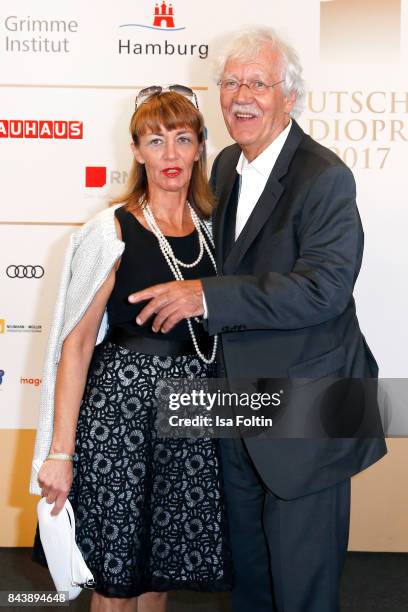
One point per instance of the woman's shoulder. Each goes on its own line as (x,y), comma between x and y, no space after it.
(101,227)
(95,248)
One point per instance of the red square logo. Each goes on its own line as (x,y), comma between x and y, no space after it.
(95,176)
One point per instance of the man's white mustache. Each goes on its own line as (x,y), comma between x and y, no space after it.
(247,109)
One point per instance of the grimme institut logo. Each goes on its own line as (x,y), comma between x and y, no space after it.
(37,35)
(162,19)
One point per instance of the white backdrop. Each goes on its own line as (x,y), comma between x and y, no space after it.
(84,62)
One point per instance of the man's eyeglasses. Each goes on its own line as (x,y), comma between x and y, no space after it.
(256,86)
(147,92)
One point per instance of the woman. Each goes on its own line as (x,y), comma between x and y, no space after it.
(149,511)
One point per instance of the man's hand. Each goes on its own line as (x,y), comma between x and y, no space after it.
(171,302)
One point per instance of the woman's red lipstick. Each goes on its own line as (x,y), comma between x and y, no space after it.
(171,172)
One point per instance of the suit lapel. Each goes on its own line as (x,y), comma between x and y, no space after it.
(225,197)
(267,201)
(263,209)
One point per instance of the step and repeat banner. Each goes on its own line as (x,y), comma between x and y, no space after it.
(69,75)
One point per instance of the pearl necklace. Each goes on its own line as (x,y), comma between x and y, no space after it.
(174,263)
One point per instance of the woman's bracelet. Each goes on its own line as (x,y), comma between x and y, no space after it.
(61,456)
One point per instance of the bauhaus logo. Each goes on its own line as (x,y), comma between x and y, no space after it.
(365,31)
(30,128)
(160,17)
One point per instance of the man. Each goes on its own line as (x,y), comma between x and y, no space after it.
(289,245)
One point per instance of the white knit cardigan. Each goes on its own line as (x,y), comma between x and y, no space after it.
(91,254)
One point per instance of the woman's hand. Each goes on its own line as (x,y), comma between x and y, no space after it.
(55,480)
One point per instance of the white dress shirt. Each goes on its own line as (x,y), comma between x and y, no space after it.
(254,176)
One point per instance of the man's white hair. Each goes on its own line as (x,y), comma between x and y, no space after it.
(246,44)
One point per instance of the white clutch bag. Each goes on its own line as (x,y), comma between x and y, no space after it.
(65,561)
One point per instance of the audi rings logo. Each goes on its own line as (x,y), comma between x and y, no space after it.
(25,271)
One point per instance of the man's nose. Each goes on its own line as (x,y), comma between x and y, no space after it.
(244,93)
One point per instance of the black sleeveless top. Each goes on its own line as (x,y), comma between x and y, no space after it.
(143,265)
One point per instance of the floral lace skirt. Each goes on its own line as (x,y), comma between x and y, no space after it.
(149,511)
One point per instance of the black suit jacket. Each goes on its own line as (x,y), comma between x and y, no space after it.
(283,302)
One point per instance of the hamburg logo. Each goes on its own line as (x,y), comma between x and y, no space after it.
(360,30)
(162,19)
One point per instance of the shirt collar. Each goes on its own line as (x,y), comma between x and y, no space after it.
(265,161)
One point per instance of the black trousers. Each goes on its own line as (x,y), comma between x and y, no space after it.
(288,555)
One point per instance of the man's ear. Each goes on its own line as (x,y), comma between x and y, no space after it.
(290,102)
(136,152)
